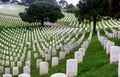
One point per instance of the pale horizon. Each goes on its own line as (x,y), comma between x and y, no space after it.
(74,2)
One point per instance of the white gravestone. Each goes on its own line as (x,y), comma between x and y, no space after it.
(55,61)
(114,54)
(61,55)
(43,68)
(72,67)
(35,55)
(67,50)
(12,64)
(108,46)
(15,71)
(59,75)
(7,70)
(1,69)
(19,64)
(38,63)
(53,52)
(7,75)
(7,63)
(119,35)
(82,50)
(79,56)
(27,63)
(24,75)
(26,70)
(119,67)
(47,57)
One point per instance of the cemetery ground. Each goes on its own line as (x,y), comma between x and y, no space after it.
(21,42)
(95,63)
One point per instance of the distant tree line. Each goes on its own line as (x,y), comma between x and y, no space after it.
(95,10)
(42,11)
(24,2)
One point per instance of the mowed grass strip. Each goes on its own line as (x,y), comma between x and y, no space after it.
(96,62)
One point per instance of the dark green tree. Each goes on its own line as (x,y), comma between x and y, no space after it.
(70,6)
(92,10)
(40,12)
(51,1)
(5,1)
(115,9)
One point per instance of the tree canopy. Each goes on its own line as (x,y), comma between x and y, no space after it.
(70,6)
(92,10)
(115,8)
(40,12)
(5,1)
(51,1)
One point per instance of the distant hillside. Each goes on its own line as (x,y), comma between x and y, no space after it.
(11,9)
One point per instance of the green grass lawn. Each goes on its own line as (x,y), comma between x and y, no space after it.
(96,62)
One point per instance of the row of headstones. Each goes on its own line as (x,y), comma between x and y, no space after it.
(71,68)
(66,50)
(9,36)
(114,23)
(20,75)
(72,64)
(10,17)
(12,56)
(119,67)
(15,69)
(110,47)
(68,37)
(12,59)
(43,66)
(68,17)
(17,22)
(111,23)
(15,57)
(114,34)
(44,54)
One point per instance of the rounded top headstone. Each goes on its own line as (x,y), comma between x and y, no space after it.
(59,75)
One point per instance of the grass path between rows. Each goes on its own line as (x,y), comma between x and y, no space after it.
(96,62)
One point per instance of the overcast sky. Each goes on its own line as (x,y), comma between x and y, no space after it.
(72,1)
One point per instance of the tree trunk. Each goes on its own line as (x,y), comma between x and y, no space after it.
(42,22)
(94,24)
